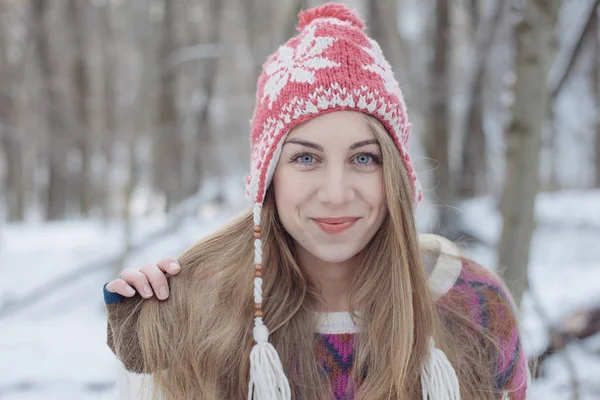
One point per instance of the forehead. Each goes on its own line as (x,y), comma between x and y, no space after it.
(338,127)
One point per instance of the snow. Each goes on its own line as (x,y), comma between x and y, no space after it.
(55,348)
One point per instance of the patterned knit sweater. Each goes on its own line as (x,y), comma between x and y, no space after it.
(457,283)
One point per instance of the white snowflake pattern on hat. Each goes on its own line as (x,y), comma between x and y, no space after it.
(297,64)
(381,67)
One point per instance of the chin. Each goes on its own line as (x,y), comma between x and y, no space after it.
(335,252)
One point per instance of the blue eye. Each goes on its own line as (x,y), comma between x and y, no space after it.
(364,159)
(306,159)
(303,159)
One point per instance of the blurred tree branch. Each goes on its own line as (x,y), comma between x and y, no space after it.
(204,51)
(556,336)
(561,70)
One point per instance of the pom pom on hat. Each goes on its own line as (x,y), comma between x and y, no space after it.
(330,10)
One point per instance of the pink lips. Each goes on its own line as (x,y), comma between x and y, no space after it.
(334,226)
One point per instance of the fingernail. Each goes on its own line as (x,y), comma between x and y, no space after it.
(174,267)
(147,290)
(130,290)
(164,293)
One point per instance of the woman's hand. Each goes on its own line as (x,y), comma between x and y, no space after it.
(151,279)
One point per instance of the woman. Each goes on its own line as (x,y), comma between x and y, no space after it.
(357,305)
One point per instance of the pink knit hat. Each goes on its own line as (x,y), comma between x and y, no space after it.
(331,65)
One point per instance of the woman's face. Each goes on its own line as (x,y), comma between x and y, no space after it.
(329,186)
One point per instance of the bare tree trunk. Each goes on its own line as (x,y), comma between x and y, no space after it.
(10,140)
(474,164)
(135,125)
(109,100)
(475,10)
(79,39)
(167,141)
(95,133)
(127,217)
(145,35)
(552,183)
(436,135)
(596,90)
(534,32)
(15,189)
(259,37)
(198,145)
(56,206)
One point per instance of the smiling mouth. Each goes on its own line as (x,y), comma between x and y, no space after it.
(335,226)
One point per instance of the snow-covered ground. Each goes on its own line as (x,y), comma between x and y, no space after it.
(54,348)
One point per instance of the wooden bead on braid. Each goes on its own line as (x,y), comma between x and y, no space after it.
(258,310)
(257,232)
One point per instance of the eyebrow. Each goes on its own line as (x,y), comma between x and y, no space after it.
(318,147)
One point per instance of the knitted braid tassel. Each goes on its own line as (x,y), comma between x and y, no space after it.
(438,377)
(267,378)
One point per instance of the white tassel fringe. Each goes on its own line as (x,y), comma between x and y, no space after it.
(438,378)
(267,379)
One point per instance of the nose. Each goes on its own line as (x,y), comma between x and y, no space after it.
(336,186)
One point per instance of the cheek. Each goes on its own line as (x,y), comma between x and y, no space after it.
(286,198)
(292,188)
(373,191)
(378,196)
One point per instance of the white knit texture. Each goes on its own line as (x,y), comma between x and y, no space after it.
(256,212)
(335,323)
(438,377)
(257,251)
(448,265)
(258,290)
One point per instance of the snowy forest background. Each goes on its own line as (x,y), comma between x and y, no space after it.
(124,138)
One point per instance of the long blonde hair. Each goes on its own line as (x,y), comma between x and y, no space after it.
(202,335)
